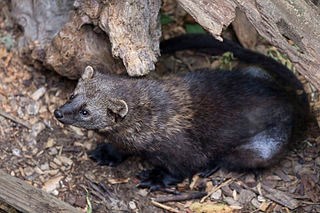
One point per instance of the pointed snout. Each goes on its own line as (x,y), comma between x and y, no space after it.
(66,113)
(58,114)
(63,115)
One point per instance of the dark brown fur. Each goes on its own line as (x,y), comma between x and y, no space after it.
(241,119)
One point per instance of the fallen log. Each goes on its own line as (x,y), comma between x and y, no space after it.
(27,198)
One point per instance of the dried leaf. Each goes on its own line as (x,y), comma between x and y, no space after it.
(210,208)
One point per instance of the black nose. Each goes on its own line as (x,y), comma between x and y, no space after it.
(58,114)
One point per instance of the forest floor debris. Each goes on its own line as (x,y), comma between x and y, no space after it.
(38,149)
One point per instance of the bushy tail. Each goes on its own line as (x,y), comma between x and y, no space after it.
(281,74)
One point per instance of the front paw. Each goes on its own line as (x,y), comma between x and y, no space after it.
(106,154)
(156,179)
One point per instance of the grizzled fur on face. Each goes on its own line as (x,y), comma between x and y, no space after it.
(84,107)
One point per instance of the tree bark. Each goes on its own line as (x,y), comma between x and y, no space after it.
(133,28)
(80,35)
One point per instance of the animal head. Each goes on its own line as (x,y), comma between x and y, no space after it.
(94,104)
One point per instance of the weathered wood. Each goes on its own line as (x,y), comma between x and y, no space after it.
(132,27)
(67,44)
(134,31)
(281,21)
(280,197)
(246,33)
(40,19)
(26,198)
(212,15)
(76,46)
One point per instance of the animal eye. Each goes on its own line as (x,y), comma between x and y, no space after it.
(84,112)
(72,97)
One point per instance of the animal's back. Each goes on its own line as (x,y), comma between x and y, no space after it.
(234,110)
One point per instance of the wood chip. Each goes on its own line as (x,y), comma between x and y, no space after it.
(255,203)
(195,178)
(38,93)
(52,184)
(216,195)
(264,206)
(118,180)
(57,161)
(132,205)
(37,128)
(65,160)
(273,178)
(246,196)
(228,181)
(28,171)
(180,197)
(52,172)
(280,197)
(282,175)
(44,166)
(50,143)
(209,207)
(8,59)
(77,130)
(231,201)
(38,170)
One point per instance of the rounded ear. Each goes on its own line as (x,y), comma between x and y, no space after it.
(88,73)
(119,107)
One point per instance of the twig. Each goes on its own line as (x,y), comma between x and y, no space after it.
(216,188)
(309,203)
(15,119)
(165,207)
(7,61)
(220,186)
(181,197)
(170,191)
(276,196)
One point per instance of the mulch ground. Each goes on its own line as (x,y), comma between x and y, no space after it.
(36,148)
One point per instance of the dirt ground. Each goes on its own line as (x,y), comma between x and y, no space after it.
(36,148)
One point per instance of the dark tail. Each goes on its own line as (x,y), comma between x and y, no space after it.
(282,75)
(204,42)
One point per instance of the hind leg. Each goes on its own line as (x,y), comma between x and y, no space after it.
(262,150)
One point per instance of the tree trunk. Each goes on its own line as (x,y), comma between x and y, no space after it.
(66,38)
(134,31)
